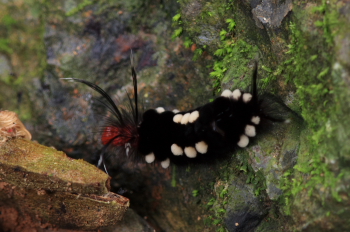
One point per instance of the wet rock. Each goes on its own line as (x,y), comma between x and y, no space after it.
(243,221)
(131,222)
(271,13)
(245,210)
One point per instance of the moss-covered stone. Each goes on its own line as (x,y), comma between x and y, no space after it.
(30,165)
(295,51)
(63,192)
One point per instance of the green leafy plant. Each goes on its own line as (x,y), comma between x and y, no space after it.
(231,24)
(188,42)
(177,33)
(197,53)
(177,17)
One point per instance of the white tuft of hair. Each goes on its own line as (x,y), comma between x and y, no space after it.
(193,116)
(226,93)
(202,147)
(255,120)
(190,152)
(185,119)
(175,111)
(250,130)
(243,141)
(236,94)
(176,150)
(160,110)
(150,158)
(165,163)
(247,97)
(177,118)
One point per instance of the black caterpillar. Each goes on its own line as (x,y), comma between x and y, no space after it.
(200,135)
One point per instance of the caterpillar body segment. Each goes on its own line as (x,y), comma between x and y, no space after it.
(205,133)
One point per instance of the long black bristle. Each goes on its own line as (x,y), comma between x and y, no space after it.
(134,81)
(115,110)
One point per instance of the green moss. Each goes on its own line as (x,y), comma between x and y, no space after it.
(233,58)
(42,161)
(257,179)
(4,46)
(233,54)
(21,43)
(236,59)
(79,7)
(325,106)
(208,16)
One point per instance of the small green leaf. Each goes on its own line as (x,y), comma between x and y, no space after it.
(188,42)
(222,211)
(223,193)
(176,17)
(319,23)
(231,24)
(266,69)
(211,201)
(220,52)
(314,57)
(323,73)
(216,221)
(320,9)
(177,33)
(223,34)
